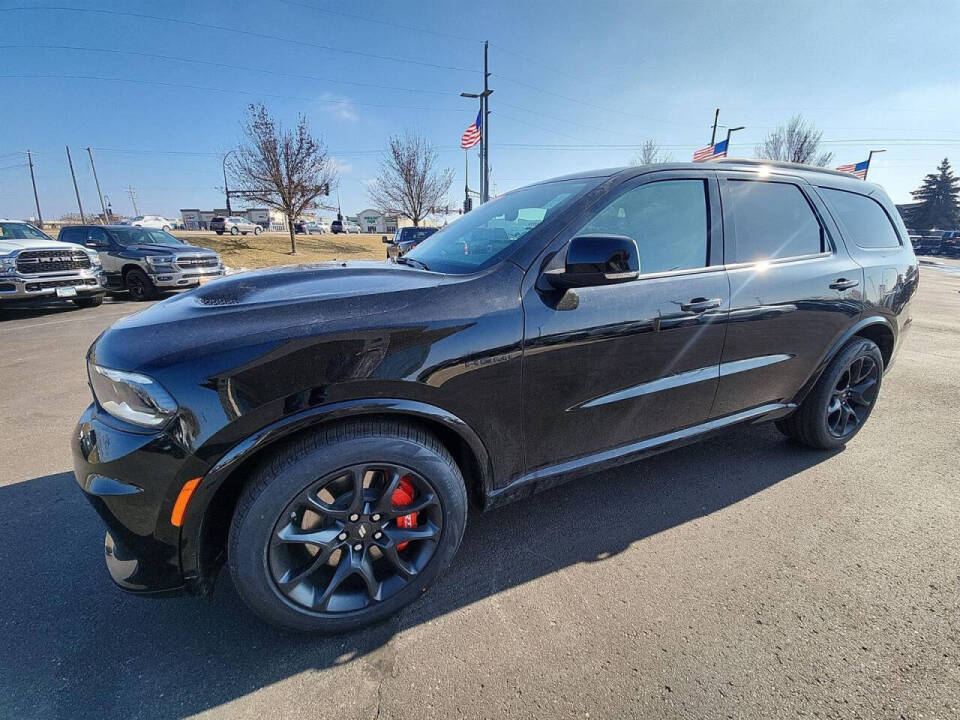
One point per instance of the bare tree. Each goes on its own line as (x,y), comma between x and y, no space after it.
(410,184)
(284,169)
(651,154)
(798,141)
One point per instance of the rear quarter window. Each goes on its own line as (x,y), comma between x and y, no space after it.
(862,219)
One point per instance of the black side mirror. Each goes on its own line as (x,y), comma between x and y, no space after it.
(597,260)
(384,238)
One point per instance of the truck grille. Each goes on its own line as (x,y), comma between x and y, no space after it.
(203,261)
(42,261)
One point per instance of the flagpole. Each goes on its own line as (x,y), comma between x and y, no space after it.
(870,157)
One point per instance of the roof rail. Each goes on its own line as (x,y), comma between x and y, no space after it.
(781,164)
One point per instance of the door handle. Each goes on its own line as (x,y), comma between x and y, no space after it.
(701,304)
(843,284)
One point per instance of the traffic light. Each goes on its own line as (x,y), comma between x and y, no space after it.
(467,205)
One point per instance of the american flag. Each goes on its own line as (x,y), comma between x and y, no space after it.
(710,152)
(471,136)
(859,169)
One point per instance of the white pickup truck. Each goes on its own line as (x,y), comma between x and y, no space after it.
(35,266)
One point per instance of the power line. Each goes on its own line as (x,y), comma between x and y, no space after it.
(533,125)
(99,78)
(238,31)
(244,68)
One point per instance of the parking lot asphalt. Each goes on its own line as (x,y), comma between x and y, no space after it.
(742,577)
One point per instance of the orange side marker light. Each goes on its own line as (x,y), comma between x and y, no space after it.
(180,506)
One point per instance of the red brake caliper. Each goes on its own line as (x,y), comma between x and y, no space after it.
(404,495)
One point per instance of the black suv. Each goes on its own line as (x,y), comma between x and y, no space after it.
(144,261)
(406,239)
(320,428)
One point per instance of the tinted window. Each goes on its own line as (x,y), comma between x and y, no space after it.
(98,236)
(668,220)
(863,219)
(77,235)
(144,236)
(771,220)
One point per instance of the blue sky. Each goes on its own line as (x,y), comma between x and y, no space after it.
(569,78)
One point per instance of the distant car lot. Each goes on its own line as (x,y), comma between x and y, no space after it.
(751,579)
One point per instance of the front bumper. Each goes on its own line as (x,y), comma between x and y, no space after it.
(17,286)
(132,480)
(184,278)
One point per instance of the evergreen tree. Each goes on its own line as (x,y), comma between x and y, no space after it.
(939,198)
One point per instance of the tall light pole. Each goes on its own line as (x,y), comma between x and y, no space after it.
(36,198)
(97,181)
(226,190)
(485,130)
(730,131)
(869,158)
(75,188)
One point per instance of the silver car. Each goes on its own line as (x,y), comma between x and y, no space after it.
(234,225)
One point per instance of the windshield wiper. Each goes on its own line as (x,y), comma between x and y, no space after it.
(412,262)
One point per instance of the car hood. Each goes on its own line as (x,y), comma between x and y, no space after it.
(157,249)
(8,245)
(261,307)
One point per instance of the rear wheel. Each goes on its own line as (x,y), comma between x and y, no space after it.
(841,401)
(89,302)
(344,527)
(139,285)
(166,228)
(219,232)
(257,230)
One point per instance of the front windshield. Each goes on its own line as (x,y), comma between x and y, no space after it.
(21,231)
(144,236)
(482,237)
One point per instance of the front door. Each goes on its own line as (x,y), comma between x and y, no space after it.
(607,366)
(794,290)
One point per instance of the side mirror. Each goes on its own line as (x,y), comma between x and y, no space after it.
(597,260)
(384,238)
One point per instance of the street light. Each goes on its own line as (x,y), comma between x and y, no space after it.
(225,189)
(484,166)
(869,158)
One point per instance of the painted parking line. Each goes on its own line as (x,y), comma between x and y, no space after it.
(73,320)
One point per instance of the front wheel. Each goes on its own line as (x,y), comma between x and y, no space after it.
(166,228)
(234,231)
(344,527)
(139,285)
(841,401)
(257,230)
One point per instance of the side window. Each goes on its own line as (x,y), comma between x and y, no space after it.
(74,235)
(771,220)
(98,236)
(864,219)
(668,220)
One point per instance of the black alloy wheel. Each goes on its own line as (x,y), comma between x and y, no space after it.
(344,526)
(853,396)
(839,404)
(139,285)
(339,546)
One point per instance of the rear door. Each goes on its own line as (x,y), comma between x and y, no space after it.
(605,367)
(794,290)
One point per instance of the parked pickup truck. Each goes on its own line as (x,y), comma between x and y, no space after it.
(35,266)
(144,261)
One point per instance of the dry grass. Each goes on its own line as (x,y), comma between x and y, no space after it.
(267,249)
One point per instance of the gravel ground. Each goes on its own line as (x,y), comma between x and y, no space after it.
(742,577)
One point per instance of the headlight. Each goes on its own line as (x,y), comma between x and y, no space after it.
(132,397)
(94,260)
(159,259)
(8,262)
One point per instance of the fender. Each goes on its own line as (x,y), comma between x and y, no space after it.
(213,480)
(832,352)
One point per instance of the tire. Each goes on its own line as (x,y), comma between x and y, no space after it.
(234,230)
(139,285)
(219,232)
(257,230)
(166,228)
(279,578)
(89,302)
(850,384)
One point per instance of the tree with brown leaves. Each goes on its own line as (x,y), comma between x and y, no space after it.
(410,184)
(284,169)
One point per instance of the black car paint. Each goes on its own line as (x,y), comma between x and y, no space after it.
(528,385)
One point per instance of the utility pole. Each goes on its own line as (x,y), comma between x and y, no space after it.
(36,198)
(83,219)
(485,129)
(713,135)
(133,199)
(97,181)
(226,190)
